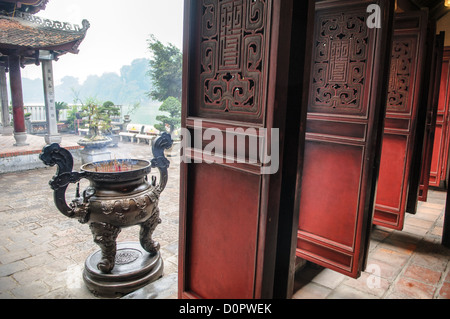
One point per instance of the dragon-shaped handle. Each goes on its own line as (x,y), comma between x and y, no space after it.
(159,160)
(55,155)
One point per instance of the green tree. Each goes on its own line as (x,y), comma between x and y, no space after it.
(60,106)
(108,110)
(172,106)
(73,115)
(165,70)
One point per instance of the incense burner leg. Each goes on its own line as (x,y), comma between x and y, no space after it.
(146,232)
(105,236)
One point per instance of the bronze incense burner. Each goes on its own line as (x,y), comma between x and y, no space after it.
(120,195)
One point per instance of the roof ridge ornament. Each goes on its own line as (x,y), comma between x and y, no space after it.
(66,26)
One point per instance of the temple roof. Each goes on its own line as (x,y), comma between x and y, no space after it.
(25,34)
(29,6)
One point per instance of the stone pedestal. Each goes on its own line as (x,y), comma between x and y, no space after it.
(50,139)
(91,155)
(134,269)
(21,138)
(94,151)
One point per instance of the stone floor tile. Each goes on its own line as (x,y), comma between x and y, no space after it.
(69,293)
(436,231)
(39,260)
(329,278)
(429,261)
(9,269)
(396,295)
(444,292)
(447,278)
(7,283)
(31,290)
(312,291)
(388,271)
(400,246)
(422,274)
(347,292)
(14,256)
(390,256)
(412,229)
(418,222)
(414,289)
(371,284)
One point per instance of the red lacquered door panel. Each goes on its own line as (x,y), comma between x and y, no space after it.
(408,53)
(237,72)
(225,244)
(438,168)
(347,101)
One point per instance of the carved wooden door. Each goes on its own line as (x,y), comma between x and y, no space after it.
(408,52)
(430,125)
(347,101)
(238,62)
(438,170)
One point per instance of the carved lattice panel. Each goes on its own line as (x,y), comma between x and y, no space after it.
(400,82)
(340,64)
(233,59)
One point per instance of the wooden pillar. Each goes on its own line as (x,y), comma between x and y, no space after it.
(50,109)
(15,80)
(7,129)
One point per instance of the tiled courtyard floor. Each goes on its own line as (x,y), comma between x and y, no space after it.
(42,252)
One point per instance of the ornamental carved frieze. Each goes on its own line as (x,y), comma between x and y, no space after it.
(57,25)
(339,63)
(400,75)
(232,56)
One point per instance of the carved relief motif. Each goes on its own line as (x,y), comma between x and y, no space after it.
(400,75)
(232,55)
(138,207)
(339,66)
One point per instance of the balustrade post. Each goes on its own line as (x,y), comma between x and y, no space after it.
(49,93)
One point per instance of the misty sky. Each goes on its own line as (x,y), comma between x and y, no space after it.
(118,33)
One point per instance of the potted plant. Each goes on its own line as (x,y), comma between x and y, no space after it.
(96,141)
